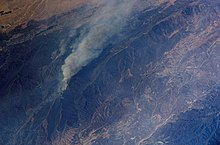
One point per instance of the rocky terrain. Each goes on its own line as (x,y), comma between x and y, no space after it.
(111,73)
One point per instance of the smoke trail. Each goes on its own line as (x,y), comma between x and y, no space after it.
(105,24)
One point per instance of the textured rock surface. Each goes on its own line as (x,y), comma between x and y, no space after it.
(155,82)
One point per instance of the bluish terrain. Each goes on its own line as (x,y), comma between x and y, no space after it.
(114,75)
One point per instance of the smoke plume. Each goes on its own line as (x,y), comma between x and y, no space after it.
(106,23)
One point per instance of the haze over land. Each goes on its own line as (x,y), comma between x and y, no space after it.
(117,72)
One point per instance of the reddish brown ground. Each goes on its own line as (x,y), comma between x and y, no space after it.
(14,12)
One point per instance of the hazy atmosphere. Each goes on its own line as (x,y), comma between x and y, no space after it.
(117,72)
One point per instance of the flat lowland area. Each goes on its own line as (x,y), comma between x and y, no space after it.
(14,12)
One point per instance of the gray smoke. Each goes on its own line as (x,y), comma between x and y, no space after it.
(104,24)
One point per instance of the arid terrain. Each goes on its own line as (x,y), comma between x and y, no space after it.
(119,72)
